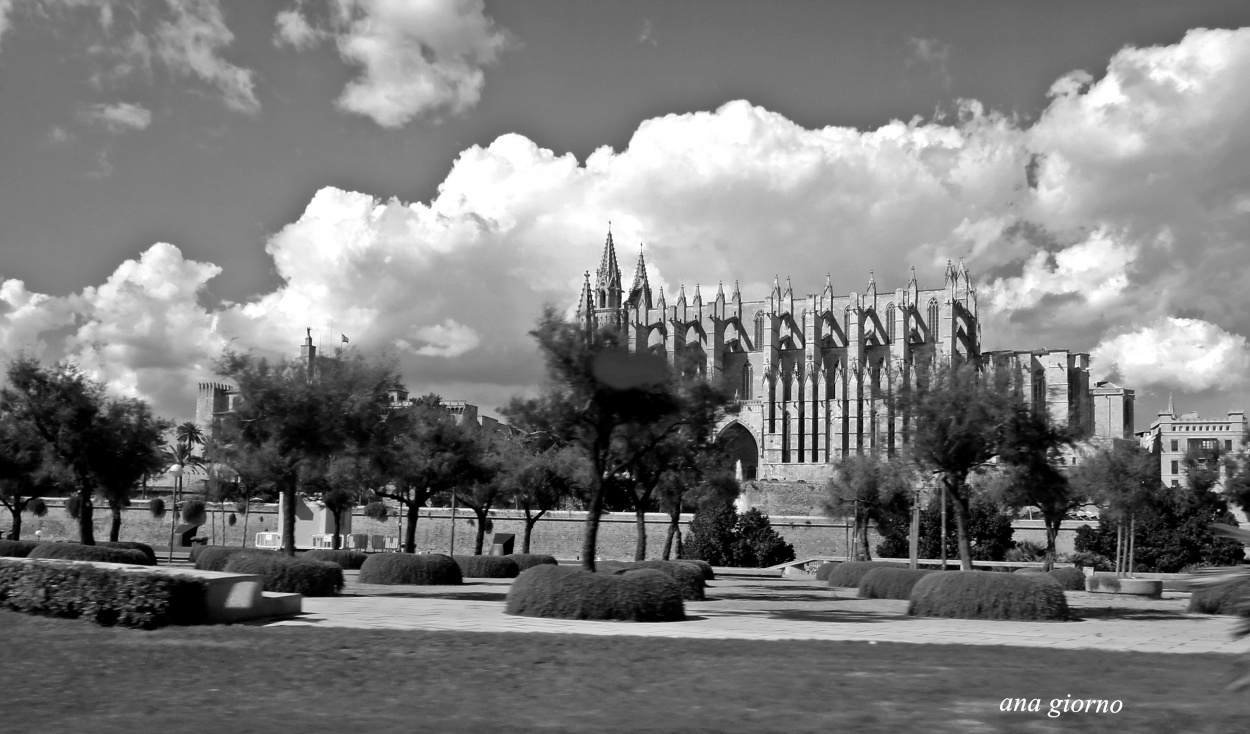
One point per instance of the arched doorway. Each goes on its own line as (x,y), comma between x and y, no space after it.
(739,445)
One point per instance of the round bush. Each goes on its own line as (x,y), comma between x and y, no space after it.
(143,548)
(487,567)
(76,552)
(704,567)
(289,575)
(16,548)
(1072,579)
(822,573)
(849,574)
(431,569)
(565,592)
(890,583)
(215,557)
(1228,597)
(347,560)
(988,595)
(689,578)
(529,560)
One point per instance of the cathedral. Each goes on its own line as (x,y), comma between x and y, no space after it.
(815,374)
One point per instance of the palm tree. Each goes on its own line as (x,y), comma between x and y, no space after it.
(180,454)
(189,433)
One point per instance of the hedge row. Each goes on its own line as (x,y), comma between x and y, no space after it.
(347,560)
(215,557)
(849,574)
(988,595)
(289,575)
(99,553)
(143,548)
(107,596)
(16,548)
(704,566)
(689,577)
(431,569)
(822,573)
(487,567)
(890,583)
(1229,597)
(529,560)
(1072,579)
(565,592)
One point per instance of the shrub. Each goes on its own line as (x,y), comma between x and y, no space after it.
(289,575)
(565,592)
(376,511)
(1028,569)
(822,573)
(1072,579)
(107,596)
(722,537)
(432,569)
(215,557)
(529,560)
(988,595)
(1228,597)
(849,574)
(76,552)
(143,548)
(347,560)
(1025,550)
(689,577)
(704,567)
(16,548)
(37,507)
(194,512)
(487,567)
(1088,559)
(890,583)
(156,506)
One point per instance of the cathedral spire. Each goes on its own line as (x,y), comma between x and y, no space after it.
(640,291)
(660,303)
(698,297)
(586,304)
(950,272)
(609,274)
(1171,406)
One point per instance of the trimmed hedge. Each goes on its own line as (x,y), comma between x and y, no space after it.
(430,569)
(215,557)
(143,548)
(566,592)
(689,578)
(529,560)
(1072,579)
(1229,597)
(849,574)
(1028,569)
(487,567)
(704,566)
(890,583)
(289,575)
(988,595)
(822,573)
(100,553)
(347,560)
(107,596)
(16,548)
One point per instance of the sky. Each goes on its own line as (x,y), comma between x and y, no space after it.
(179,178)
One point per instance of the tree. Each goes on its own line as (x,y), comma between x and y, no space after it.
(989,531)
(300,415)
(959,417)
(875,491)
(94,443)
(239,473)
(422,452)
(598,395)
(541,477)
(24,471)
(722,537)
(695,484)
(484,486)
(1030,451)
(1124,481)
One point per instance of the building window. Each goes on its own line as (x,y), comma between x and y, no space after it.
(1228,445)
(1175,446)
(1039,391)
(1175,483)
(889,323)
(933,319)
(759,329)
(1176,469)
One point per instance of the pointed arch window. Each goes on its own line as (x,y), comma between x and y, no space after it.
(933,318)
(759,329)
(889,323)
(747,380)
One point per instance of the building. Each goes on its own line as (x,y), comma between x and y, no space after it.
(815,374)
(1170,437)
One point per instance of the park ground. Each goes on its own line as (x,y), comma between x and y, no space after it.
(440,659)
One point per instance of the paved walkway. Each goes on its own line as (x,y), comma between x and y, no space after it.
(789,609)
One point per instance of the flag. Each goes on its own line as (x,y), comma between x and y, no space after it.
(344,338)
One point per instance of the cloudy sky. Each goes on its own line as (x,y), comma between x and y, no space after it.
(176,177)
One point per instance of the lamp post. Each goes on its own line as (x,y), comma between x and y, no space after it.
(176,471)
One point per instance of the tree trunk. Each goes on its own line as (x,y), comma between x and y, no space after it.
(86,519)
(864,550)
(1132,536)
(338,524)
(681,552)
(640,532)
(115,527)
(15,532)
(481,531)
(246,515)
(1052,532)
(674,519)
(590,536)
(410,532)
(1119,547)
(961,528)
(288,519)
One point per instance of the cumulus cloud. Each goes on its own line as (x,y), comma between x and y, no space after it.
(120,117)
(1186,354)
(190,44)
(933,54)
(1119,244)
(415,59)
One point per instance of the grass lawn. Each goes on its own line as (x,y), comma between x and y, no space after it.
(70,676)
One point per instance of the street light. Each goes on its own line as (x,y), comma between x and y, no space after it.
(175,470)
